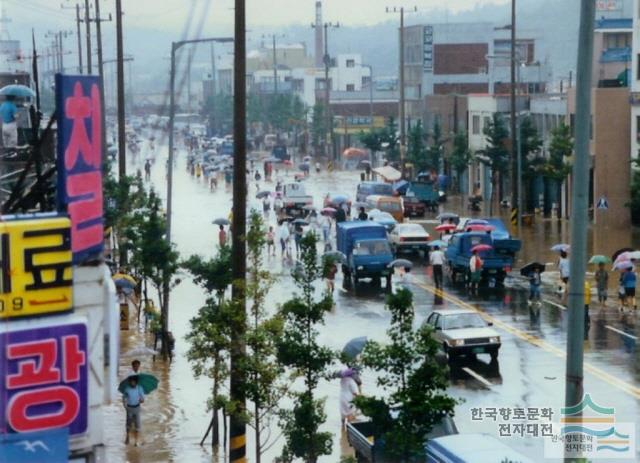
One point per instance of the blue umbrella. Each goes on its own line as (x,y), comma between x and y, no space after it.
(439,243)
(124,283)
(354,347)
(20,91)
(339,199)
(560,247)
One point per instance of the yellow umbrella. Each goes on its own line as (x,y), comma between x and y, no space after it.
(123,276)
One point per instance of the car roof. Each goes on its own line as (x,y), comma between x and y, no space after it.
(358,224)
(454,311)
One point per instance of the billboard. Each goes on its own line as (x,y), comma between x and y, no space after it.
(35,265)
(45,379)
(35,447)
(79,162)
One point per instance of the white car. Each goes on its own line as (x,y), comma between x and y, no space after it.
(383,218)
(409,237)
(463,332)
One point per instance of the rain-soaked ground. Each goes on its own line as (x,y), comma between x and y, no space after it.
(528,373)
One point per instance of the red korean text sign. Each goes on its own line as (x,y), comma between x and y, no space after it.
(79,162)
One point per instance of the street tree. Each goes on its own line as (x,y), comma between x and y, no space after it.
(413,380)
(417,152)
(318,127)
(557,167)
(299,350)
(382,139)
(265,384)
(496,154)
(209,341)
(460,156)
(154,257)
(435,151)
(214,275)
(532,161)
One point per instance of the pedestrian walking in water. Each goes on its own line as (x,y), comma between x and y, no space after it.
(132,398)
(222,236)
(147,170)
(349,389)
(587,303)
(629,282)
(283,237)
(602,283)
(564,268)
(436,259)
(475,267)
(330,274)
(535,281)
(297,235)
(271,245)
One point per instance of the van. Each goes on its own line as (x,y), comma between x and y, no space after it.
(471,448)
(390,204)
(373,188)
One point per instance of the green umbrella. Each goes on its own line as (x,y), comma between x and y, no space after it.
(599,259)
(148,382)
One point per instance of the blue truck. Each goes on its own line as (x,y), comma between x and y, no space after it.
(367,251)
(496,262)
(426,192)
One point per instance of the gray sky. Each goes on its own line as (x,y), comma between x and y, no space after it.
(172,14)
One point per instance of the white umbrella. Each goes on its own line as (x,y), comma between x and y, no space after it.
(140,351)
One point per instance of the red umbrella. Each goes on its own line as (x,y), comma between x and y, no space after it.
(481,247)
(479,227)
(354,152)
(328,211)
(445,227)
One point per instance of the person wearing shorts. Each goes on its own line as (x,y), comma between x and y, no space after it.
(629,283)
(132,398)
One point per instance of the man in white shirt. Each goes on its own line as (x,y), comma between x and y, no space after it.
(436,259)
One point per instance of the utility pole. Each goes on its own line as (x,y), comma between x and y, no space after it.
(275,67)
(402,103)
(327,88)
(79,38)
(99,20)
(122,158)
(87,22)
(515,212)
(579,214)
(237,426)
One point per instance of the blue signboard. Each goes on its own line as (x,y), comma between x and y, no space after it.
(35,447)
(79,162)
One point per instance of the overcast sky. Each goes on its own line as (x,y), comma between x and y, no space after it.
(172,15)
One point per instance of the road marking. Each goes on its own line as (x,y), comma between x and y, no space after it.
(621,332)
(531,339)
(478,377)
(555,304)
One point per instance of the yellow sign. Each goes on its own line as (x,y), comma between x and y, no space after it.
(35,264)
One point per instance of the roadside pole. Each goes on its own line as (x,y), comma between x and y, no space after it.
(579,210)
(515,157)
(79,38)
(122,157)
(237,426)
(87,23)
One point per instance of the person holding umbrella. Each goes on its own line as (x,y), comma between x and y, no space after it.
(602,283)
(629,282)
(222,236)
(132,398)
(436,259)
(475,267)
(564,268)
(8,111)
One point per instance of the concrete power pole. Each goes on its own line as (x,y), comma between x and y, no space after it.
(79,38)
(515,212)
(99,20)
(579,211)
(87,22)
(122,158)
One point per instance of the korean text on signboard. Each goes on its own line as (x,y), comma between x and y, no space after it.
(35,264)
(607,5)
(80,162)
(44,379)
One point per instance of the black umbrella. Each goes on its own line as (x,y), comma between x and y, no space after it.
(620,251)
(221,221)
(263,194)
(531,267)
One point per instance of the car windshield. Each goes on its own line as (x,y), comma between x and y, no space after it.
(412,228)
(371,248)
(463,320)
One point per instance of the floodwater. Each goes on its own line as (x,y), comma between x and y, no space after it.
(175,417)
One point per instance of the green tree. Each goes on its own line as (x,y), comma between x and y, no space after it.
(435,151)
(154,257)
(209,341)
(413,380)
(634,201)
(417,152)
(219,110)
(264,386)
(496,155)
(213,275)
(299,350)
(556,167)
(318,127)
(460,156)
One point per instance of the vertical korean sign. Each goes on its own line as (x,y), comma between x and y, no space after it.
(80,162)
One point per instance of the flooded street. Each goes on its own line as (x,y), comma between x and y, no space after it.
(528,373)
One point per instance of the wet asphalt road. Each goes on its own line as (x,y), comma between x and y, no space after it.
(528,373)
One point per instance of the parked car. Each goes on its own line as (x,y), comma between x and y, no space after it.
(409,237)
(383,218)
(464,332)
(413,207)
